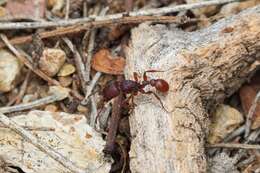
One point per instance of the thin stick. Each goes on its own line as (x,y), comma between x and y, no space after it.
(27,62)
(91,47)
(114,122)
(91,87)
(233,145)
(79,63)
(32,128)
(21,93)
(90,53)
(229,137)
(94,113)
(234,134)
(39,144)
(250,114)
(97,24)
(67,9)
(124,153)
(146,12)
(33,104)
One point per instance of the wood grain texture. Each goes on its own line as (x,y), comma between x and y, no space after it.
(203,68)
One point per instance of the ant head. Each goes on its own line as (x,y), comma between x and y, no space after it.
(160,85)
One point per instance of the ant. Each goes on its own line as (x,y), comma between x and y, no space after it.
(114,88)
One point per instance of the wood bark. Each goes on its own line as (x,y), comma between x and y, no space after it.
(203,68)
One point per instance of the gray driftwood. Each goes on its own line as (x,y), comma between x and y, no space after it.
(203,68)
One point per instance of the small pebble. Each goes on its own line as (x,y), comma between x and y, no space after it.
(66,70)
(51,108)
(82,109)
(65,81)
(51,61)
(10,69)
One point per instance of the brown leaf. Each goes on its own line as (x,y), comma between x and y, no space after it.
(104,62)
(247,95)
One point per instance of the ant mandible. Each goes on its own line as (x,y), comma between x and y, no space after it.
(114,88)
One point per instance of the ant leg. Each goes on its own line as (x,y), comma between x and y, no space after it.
(150,71)
(125,102)
(132,101)
(132,105)
(136,76)
(98,115)
(157,97)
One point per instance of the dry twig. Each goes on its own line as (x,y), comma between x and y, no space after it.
(91,47)
(32,128)
(79,63)
(114,122)
(21,93)
(147,12)
(250,114)
(43,101)
(88,68)
(234,146)
(67,9)
(90,87)
(98,24)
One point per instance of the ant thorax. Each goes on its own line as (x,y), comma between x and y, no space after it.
(129,86)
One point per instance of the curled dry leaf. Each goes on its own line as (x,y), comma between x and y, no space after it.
(247,96)
(104,62)
(224,120)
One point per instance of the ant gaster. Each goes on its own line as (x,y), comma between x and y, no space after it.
(114,88)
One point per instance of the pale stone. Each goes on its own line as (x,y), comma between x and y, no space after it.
(9,70)
(225,120)
(72,138)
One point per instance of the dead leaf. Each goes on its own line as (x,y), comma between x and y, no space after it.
(247,95)
(104,62)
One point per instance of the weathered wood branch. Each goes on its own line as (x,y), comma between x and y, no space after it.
(203,68)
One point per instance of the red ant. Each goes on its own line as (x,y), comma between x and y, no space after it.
(114,88)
